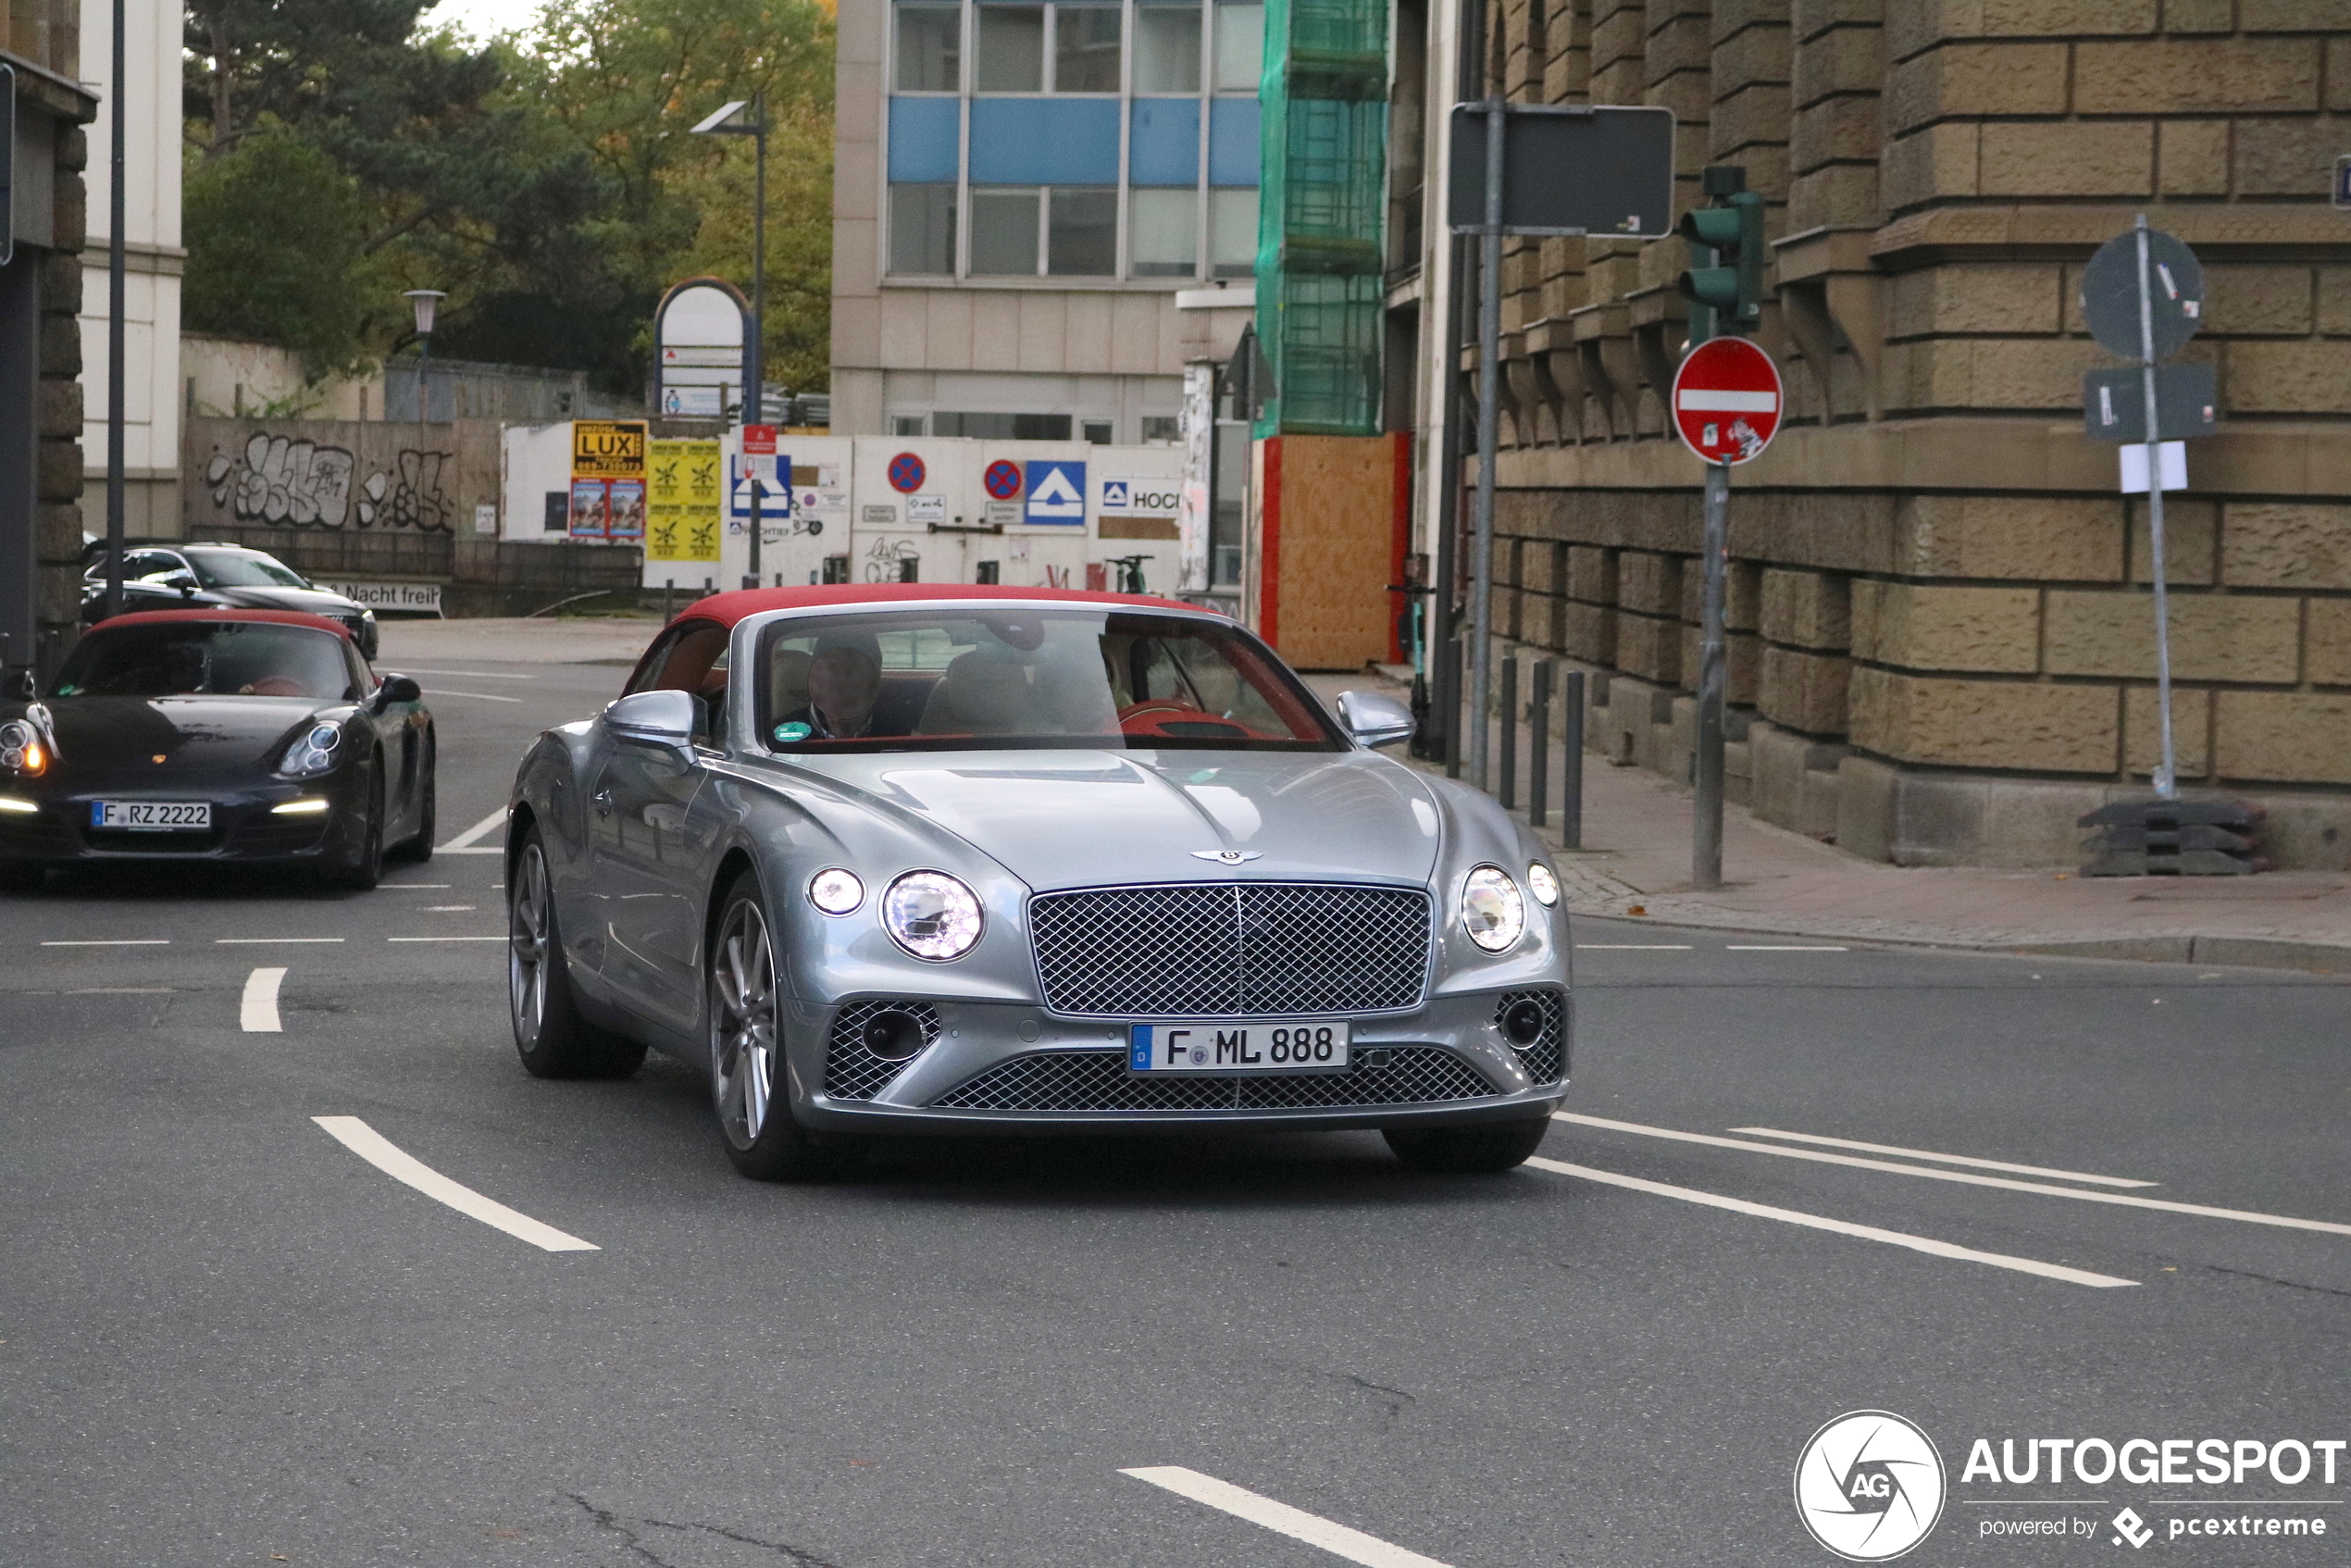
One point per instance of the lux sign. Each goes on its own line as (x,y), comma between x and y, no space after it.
(1150,497)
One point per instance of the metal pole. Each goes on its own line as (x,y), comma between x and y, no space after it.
(1489,397)
(114,389)
(2167,777)
(1456,723)
(1706,840)
(755,368)
(1571,772)
(1506,787)
(1539,757)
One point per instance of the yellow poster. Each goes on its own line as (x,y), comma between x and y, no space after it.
(607,449)
(682,494)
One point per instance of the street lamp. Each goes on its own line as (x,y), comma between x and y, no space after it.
(424,302)
(731,121)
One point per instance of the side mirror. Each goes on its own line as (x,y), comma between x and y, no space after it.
(1374,719)
(397,688)
(20,683)
(654,719)
(187,588)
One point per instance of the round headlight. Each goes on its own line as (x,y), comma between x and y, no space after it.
(835,891)
(931,915)
(16,735)
(1492,911)
(323,737)
(1545,886)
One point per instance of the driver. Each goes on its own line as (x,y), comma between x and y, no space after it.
(843,686)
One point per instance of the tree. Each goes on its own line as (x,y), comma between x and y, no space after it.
(277,250)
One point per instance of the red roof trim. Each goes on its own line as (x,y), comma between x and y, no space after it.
(282,618)
(728,609)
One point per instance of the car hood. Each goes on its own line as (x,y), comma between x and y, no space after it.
(313,601)
(1085,818)
(115,740)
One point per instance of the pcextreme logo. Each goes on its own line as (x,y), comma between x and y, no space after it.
(1869,1486)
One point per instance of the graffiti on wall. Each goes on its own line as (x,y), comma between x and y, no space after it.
(290,483)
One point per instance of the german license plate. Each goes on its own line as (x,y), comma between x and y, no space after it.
(1223,1049)
(153,816)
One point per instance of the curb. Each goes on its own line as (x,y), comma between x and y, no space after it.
(2240,952)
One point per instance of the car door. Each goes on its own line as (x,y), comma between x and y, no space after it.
(645,860)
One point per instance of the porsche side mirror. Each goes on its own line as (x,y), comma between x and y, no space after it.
(18,683)
(654,719)
(397,688)
(1374,719)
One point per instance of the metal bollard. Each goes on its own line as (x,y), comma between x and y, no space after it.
(668,588)
(1538,769)
(1456,742)
(1506,791)
(1572,774)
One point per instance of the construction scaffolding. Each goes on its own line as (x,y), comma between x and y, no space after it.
(1323,199)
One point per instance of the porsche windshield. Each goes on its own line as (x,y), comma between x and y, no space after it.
(215,658)
(944,680)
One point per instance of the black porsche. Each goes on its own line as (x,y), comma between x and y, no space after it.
(216,735)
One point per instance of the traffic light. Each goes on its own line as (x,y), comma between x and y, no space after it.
(1727,294)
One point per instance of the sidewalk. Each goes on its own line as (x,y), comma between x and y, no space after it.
(1636,862)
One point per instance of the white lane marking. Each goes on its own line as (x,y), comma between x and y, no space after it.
(267,941)
(467,674)
(116,991)
(449,908)
(258,1012)
(395,1163)
(444,939)
(1945,1159)
(130,941)
(1280,1518)
(1632,947)
(441,887)
(478,832)
(1758,947)
(2122,1198)
(478,696)
(1842,1227)
(473,849)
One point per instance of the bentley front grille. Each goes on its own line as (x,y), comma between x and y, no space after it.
(852,1070)
(1098,1080)
(1265,949)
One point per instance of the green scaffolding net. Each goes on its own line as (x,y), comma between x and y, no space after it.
(1322,203)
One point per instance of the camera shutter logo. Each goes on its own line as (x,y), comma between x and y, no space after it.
(1869,1486)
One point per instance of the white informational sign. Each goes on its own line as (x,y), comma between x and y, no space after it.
(698,348)
(878,516)
(1156,496)
(397,598)
(776,499)
(926,509)
(687,402)
(820,498)
(2173,456)
(1003,514)
(486,517)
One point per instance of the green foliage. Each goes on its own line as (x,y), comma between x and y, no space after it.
(277,250)
(545,181)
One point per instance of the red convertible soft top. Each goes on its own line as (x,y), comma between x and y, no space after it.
(728,608)
(284,617)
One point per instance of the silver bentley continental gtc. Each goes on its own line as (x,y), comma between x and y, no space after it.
(949,859)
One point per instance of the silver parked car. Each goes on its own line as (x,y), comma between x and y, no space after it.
(974,859)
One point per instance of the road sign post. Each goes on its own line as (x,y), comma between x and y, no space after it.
(1726,404)
(759,441)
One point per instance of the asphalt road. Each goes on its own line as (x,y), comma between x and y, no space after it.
(226,1339)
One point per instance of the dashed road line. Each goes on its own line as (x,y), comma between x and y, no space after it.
(444,939)
(478,696)
(1842,1227)
(116,941)
(258,1011)
(1280,1518)
(467,674)
(1945,1159)
(2124,1200)
(267,941)
(469,841)
(1776,947)
(388,1157)
(1632,947)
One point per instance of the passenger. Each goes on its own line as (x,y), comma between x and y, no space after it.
(843,685)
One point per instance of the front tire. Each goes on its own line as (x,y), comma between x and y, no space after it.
(552,1037)
(420,849)
(748,1080)
(1496,1146)
(365,866)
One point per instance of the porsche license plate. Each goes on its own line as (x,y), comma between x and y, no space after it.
(153,816)
(1224,1048)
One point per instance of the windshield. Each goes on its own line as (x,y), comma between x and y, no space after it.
(221,659)
(243,568)
(947,681)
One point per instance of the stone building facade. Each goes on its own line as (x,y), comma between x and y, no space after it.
(1941,645)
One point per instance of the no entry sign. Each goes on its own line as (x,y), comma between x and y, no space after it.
(1727,400)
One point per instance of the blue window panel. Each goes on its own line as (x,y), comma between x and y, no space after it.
(1165,148)
(1232,142)
(922,141)
(1044,142)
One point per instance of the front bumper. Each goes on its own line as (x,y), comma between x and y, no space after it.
(1003,1067)
(244,826)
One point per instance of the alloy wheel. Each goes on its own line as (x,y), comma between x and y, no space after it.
(743,1023)
(527,930)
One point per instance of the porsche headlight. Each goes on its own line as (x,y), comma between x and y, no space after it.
(1543,884)
(21,750)
(931,915)
(1493,912)
(313,753)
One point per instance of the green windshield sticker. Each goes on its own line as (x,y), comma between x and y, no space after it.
(794,732)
